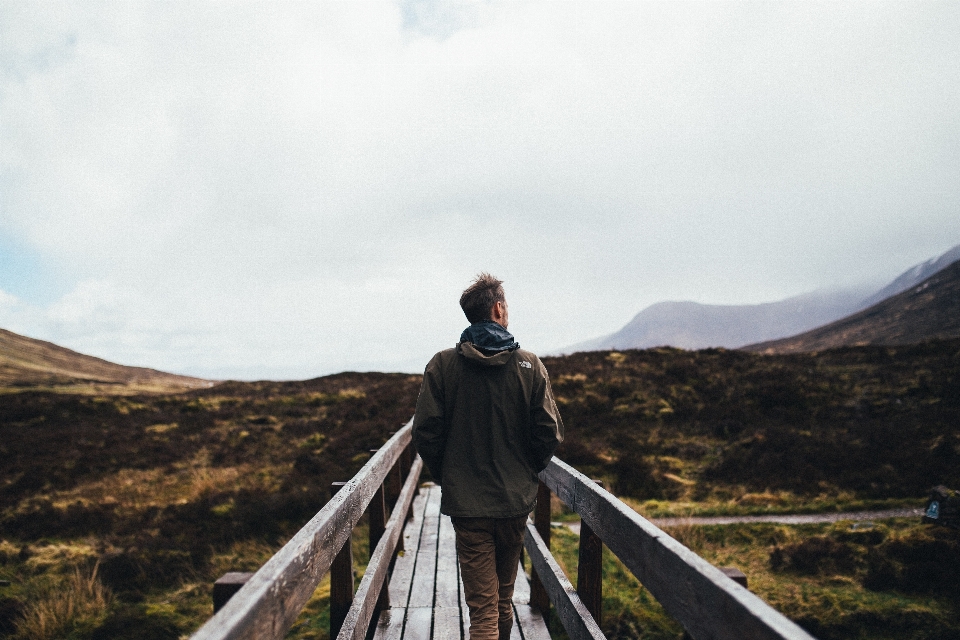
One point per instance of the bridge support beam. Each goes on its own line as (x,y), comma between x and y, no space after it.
(590,570)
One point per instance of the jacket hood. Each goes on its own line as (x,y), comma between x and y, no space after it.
(489,336)
(470,352)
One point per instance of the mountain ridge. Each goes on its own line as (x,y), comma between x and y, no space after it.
(693,325)
(925,312)
(31,363)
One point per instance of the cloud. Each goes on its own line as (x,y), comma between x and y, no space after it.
(284,190)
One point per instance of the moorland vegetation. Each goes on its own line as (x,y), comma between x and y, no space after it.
(117,512)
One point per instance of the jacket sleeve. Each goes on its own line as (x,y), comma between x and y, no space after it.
(545,423)
(429,425)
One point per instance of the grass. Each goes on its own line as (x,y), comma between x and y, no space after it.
(168,492)
(629,610)
(888,579)
(57,593)
(750,504)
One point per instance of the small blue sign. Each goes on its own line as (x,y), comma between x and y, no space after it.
(933,511)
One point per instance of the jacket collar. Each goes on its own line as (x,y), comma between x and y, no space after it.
(495,359)
(489,337)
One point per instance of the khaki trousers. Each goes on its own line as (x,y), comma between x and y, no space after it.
(489,552)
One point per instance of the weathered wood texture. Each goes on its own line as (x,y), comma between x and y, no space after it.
(224,588)
(529,621)
(402,577)
(707,603)
(434,565)
(377,517)
(736,575)
(341,579)
(269,603)
(365,602)
(590,572)
(574,616)
(541,519)
(391,621)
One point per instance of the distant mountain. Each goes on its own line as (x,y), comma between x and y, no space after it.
(691,325)
(928,311)
(29,363)
(913,276)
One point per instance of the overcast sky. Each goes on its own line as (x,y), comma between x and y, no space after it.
(284,190)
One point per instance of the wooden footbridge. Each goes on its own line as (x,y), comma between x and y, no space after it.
(411,589)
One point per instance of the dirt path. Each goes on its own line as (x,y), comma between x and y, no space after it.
(806,518)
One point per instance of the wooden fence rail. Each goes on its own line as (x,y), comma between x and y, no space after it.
(270,601)
(705,601)
(370,595)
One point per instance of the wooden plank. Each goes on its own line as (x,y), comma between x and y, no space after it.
(521,588)
(366,601)
(419,623)
(528,621)
(572,613)
(402,578)
(421,594)
(446,623)
(390,624)
(433,502)
(447,587)
(697,594)
(515,629)
(271,600)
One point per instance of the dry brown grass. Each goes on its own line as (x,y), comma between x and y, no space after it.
(137,489)
(78,600)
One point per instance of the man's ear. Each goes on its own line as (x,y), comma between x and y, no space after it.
(496,311)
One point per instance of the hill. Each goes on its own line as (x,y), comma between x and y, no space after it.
(691,325)
(162,494)
(29,363)
(928,311)
(914,276)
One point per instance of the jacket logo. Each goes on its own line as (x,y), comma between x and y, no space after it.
(525,364)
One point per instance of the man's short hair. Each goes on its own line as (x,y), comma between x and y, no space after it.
(478,299)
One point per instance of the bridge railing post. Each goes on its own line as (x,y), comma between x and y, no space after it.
(590,569)
(341,579)
(541,520)
(226,586)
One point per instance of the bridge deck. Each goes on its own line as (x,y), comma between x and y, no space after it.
(426,593)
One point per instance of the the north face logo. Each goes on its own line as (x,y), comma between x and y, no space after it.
(525,364)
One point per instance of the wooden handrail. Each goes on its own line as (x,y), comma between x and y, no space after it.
(374,578)
(574,616)
(269,603)
(705,601)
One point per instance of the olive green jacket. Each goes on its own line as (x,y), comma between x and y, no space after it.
(485,426)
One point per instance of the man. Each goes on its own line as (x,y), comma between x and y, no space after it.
(486,424)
